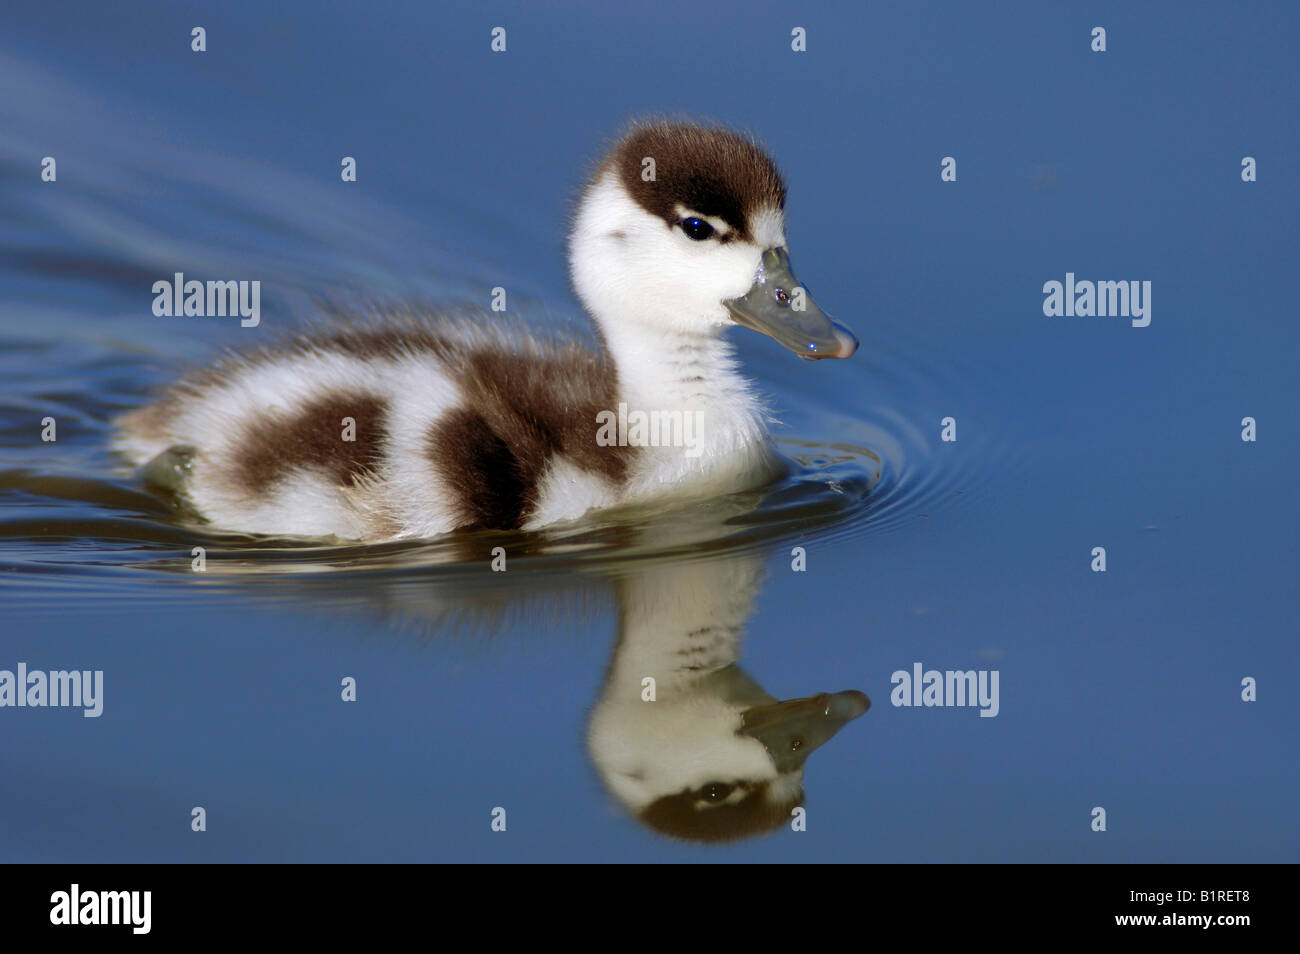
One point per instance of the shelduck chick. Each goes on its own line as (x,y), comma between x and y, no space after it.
(419,428)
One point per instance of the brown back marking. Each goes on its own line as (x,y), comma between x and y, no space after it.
(274,445)
(524,402)
(517,416)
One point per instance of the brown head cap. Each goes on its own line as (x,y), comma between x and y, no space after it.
(680,815)
(708,170)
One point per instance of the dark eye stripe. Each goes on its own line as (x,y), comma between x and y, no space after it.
(697,228)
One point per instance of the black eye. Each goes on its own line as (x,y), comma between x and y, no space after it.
(716,791)
(697,228)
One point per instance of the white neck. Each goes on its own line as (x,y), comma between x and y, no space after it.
(681,622)
(692,379)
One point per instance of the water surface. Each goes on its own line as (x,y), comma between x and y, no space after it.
(479,690)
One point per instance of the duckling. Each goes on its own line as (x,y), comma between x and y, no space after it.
(420,427)
(712,756)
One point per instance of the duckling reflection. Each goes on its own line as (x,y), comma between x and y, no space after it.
(713,756)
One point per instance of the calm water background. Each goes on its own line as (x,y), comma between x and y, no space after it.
(1118,689)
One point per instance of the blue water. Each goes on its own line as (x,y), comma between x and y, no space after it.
(1119,689)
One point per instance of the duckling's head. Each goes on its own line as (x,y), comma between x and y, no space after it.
(724,762)
(681,233)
